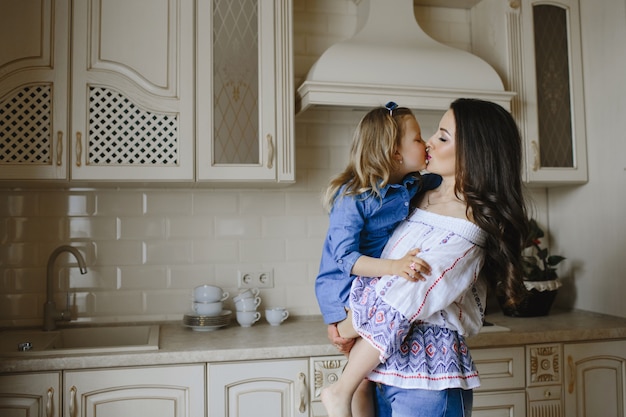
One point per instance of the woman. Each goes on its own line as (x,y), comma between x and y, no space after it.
(418,329)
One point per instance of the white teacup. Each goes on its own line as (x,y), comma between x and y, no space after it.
(207,309)
(248,304)
(275,316)
(249,293)
(247,318)
(209,294)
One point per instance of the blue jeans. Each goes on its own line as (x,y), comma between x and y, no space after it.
(398,402)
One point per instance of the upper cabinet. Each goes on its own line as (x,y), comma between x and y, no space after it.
(132,90)
(34,91)
(536,48)
(245,94)
(146,90)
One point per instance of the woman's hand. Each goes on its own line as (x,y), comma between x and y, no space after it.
(411,267)
(341,343)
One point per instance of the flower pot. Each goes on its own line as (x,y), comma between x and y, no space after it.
(539,301)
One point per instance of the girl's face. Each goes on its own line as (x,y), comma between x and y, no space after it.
(412,148)
(441,147)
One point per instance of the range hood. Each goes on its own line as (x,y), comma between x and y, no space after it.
(390,57)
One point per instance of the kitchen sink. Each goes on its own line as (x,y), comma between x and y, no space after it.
(79,340)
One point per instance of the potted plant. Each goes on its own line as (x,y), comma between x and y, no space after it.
(541,279)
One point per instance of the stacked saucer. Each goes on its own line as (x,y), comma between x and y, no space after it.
(201,323)
(207,309)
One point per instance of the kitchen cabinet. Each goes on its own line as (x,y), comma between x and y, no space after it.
(196,91)
(131,111)
(166,391)
(132,90)
(324,371)
(544,373)
(595,379)
(536,48)
(34,90)
(30,394)
(503,381)
(275,388)
(245,106)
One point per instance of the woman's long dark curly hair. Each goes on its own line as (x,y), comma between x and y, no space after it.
(488,176)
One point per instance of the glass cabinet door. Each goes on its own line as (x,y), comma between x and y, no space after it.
(555,128)
(245,91)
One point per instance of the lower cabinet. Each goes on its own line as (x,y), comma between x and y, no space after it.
(164,391)
(542,380)
(273,388)
(324,371)
(31,394)
(503,382)
(595,379)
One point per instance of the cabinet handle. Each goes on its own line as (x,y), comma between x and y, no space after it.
(73,401)
(572,374)
(535,146)
(270,152)
(303,392)
(59,148)
(79,148)
(50,403)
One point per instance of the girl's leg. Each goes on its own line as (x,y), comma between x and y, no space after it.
(362,360)
(363,400)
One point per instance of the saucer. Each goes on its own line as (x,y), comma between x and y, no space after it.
(207,323)
(204,328)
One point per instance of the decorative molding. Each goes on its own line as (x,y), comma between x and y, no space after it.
(545,364)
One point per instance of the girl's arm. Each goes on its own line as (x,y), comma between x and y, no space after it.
(409,267)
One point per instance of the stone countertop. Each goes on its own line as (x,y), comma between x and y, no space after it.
(300,337)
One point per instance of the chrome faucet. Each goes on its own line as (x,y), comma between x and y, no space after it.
(50,312)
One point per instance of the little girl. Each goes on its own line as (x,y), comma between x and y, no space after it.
(366,202)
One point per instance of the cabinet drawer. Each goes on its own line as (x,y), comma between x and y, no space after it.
(500,369)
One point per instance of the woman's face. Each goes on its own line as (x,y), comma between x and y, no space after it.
(441,147)
(412,148)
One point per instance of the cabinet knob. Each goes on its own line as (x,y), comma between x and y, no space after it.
(547,393)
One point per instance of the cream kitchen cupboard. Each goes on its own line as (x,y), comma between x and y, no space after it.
(130,112)
(31,394)
(535,46)
(595,379)
(165,391)
(324,371)
(34,89)
(146,90)
(245,104)
(503,382)
(273,388)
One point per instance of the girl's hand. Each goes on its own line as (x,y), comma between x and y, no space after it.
(341,343)
(411,267)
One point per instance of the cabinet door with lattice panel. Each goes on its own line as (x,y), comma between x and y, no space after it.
(132,90)
(34,73)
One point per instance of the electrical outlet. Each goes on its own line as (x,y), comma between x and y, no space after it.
(255,279)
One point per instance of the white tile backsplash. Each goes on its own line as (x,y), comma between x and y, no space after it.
(147,248)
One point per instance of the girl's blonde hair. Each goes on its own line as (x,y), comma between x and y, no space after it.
(371,163)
